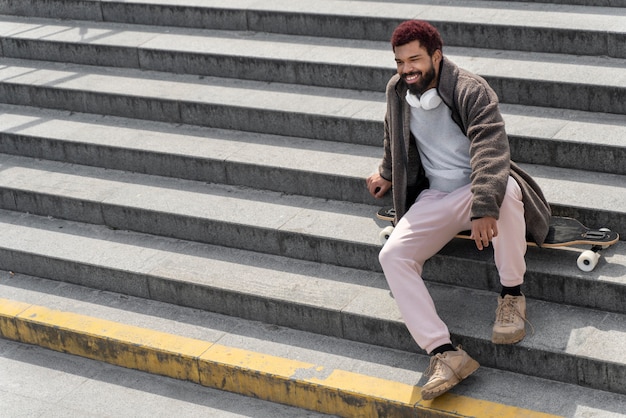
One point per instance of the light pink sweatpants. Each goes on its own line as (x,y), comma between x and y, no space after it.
(431,222)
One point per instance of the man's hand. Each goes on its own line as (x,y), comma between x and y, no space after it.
(377,185)
(483,230)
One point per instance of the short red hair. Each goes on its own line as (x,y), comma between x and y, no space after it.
(417,30)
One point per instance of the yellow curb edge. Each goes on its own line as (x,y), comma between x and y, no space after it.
(248,373)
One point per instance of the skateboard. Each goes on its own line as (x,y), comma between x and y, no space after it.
(563,232)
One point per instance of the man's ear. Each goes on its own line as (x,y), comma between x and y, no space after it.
(437,56)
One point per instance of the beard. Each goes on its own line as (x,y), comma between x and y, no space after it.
(425,80)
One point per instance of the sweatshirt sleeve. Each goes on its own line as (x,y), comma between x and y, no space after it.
(385,166)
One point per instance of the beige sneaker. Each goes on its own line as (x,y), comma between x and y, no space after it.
(446,371)
(510,326)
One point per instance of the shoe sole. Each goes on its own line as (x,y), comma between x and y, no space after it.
(467,370)
(508,339)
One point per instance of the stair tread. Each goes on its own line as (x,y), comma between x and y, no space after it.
(51,383)
(565,125)
(577,188)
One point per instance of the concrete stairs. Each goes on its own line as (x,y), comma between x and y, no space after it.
(208,159)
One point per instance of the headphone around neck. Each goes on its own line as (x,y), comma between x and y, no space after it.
(429,100)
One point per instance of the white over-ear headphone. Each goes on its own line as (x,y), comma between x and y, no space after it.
(429,100)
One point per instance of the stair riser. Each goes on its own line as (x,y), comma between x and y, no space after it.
(66,9)
(246,68)
(88,54)
(549,40)
(283,71)
(562,367)
(567,154)
(563,289)
(460,34)
(393,334)
(204,17)
(460,264)
(603,98)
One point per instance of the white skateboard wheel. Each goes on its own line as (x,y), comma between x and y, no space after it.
(588,260)
(384,234)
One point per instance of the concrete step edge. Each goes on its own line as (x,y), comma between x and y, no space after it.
(246,372)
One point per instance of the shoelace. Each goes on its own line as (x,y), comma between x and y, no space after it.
(507,311)
(435,368)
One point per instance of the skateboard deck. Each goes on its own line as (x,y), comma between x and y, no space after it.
(563,232)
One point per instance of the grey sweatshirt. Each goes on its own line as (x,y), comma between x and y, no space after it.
(443,148)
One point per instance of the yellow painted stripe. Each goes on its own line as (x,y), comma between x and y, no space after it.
(272,378)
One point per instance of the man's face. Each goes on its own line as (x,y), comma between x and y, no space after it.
(418,69)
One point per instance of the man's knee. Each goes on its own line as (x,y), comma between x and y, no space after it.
(386,256)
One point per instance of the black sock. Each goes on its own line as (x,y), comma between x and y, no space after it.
(513,291)
(442,349)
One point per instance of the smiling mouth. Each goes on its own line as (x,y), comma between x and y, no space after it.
(411,78)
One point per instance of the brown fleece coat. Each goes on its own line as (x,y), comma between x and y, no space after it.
(475,110)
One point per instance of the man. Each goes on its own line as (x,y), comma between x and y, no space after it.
(446,153)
